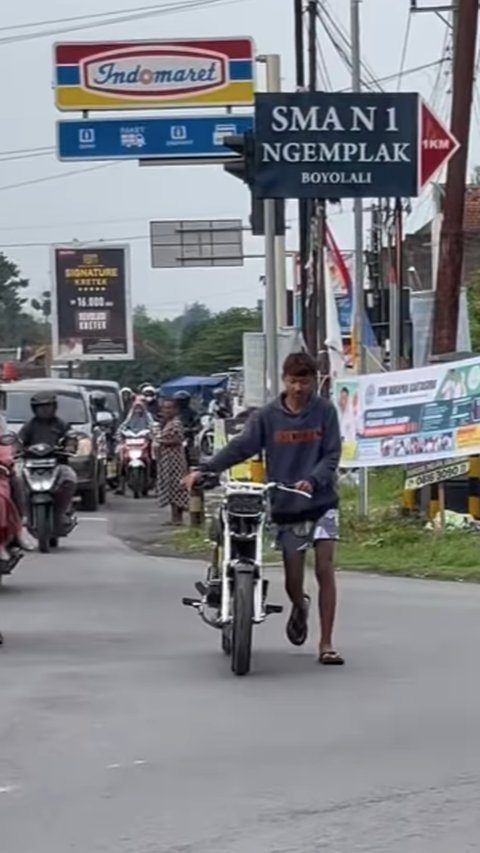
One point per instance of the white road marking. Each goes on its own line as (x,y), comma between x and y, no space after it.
(8,789)
(92,518)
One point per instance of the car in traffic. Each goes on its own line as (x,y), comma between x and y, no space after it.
(110,389)
(89,462)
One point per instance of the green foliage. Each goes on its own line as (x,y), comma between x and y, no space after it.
(17,327)
(197,342)
(217,344)
(473,298)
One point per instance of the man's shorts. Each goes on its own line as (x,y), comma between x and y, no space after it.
(300,536)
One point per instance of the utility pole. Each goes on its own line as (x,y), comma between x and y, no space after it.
(274,84)
(302,204)
(447,296)
(360,354)
(312,290)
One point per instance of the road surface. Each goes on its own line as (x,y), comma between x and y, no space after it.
(123,731)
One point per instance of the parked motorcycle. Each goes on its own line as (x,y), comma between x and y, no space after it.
(135,459)
(40,473)
(10,550)
(205,438)
(233,597)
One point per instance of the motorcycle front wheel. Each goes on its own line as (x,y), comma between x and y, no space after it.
(242,622)
(137,482)
(43,527)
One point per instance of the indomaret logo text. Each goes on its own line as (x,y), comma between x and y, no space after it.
(148,72)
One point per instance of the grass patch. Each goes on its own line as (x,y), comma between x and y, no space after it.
(385,542)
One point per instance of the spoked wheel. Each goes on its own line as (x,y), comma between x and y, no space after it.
(242,622)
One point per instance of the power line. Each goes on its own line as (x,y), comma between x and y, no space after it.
(33,154)
(45,178)
(173,8)
(404,51)
(92,16)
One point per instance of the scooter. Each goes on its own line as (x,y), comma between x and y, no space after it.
(10,551)
(233,598)
(135,461)
(40,472)
(205,438)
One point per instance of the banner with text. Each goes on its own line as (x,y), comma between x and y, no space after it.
(91,309)
(410,416)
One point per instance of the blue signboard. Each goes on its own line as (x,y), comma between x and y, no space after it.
(172,138)
(336,145)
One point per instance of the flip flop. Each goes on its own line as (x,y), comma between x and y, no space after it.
(297,625)
(331,658)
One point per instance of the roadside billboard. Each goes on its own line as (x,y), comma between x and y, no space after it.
(91,307)
(410,416)
(142,75)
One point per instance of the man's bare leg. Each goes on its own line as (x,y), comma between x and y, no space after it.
(294,582)
(327,599)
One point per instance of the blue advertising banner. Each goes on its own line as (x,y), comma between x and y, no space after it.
(336,145)
(162,138)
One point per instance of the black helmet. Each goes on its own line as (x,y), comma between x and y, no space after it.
(99,400)
(183,396)
(41,399)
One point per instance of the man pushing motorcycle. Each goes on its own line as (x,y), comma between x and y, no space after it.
(300,435)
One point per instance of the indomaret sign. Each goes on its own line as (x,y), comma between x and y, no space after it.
(335,145)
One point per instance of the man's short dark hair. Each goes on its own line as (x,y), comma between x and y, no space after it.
(345,390)
(299,364)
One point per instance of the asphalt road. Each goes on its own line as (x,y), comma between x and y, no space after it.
(123,731)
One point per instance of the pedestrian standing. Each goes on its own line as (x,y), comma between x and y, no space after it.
(171,462)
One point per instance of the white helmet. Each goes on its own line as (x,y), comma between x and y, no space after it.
(148,391)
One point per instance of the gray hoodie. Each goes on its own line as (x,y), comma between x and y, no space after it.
(301,446)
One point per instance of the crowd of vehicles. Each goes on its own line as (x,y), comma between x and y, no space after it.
(105,448)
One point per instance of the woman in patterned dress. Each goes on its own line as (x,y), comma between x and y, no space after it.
(171,462)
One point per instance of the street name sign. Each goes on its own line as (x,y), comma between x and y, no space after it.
(346,145)
(194,137)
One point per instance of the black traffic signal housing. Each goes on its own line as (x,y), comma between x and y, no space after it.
(243,168)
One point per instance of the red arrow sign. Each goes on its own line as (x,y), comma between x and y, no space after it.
(437,145)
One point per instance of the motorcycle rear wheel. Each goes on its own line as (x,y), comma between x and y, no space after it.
(242,622)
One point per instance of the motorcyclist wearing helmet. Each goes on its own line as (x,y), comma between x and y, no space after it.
(45,427)
(149,394)
(98,403)
(219,407)
(127,396)
(190,422)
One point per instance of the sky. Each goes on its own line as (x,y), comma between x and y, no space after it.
(117,201)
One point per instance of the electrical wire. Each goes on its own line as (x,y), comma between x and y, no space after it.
(74,18)
(341,33)
(61,175)
(173,8)
(323,67)
(34,154)
(404,51)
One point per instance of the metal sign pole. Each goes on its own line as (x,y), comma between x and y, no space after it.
(358,225)
(271,347)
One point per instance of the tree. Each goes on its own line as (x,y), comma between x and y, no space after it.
(155,353)
(218,343)
(473,300)
(17,327)
(43,305)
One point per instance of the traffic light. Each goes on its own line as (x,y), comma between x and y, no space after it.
(242,167)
